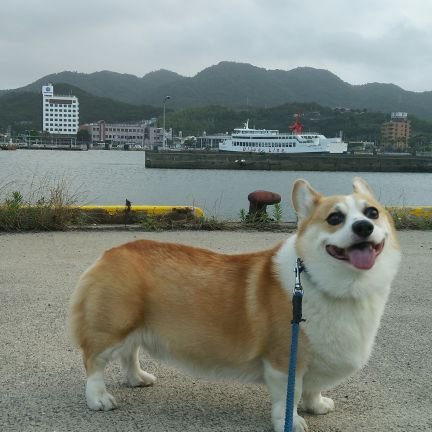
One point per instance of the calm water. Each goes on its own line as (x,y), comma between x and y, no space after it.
(109,177)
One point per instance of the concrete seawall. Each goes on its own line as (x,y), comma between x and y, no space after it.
(280,162)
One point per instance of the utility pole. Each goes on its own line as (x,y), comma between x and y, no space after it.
(163,128)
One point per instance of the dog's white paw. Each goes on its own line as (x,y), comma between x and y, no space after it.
(299,424)
(319,405)
(101,401)
(97,397)
(140,378)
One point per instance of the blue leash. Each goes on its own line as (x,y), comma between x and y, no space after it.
(297,319)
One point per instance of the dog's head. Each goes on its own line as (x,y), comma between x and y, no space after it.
(352,233)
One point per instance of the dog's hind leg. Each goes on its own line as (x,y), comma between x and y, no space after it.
(134,375)
(97,396)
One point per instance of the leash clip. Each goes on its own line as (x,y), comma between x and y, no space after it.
(298,293)
(298,269)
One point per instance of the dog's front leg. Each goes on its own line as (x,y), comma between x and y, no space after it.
(276,382)
(312,400)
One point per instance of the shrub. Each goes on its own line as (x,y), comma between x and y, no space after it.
(47,207)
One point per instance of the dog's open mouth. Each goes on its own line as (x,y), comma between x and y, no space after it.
(360,255)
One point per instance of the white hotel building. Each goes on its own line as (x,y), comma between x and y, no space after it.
(60,113)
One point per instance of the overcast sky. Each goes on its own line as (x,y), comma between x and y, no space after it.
(360,41)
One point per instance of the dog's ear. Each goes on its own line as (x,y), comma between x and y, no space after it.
(361,186)
(304,198)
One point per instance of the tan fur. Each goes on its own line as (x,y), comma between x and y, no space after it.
(211,309)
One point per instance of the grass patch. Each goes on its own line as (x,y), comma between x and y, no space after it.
(47,207)
(409,218)
(153,223)
(173,222)
(261,219)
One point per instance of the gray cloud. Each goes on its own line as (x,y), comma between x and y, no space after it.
(386,41)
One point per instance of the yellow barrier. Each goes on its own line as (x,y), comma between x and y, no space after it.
(148,209)
(417,211)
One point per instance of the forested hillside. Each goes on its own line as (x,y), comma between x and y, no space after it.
(239,84)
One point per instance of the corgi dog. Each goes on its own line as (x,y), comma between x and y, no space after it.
(230,315)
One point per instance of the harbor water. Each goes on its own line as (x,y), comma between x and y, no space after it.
(111,177)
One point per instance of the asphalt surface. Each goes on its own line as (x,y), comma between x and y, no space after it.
(42,377)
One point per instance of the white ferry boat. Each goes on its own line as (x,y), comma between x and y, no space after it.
(247,139)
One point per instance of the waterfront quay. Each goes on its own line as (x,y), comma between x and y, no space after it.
(287,162)
(42,378)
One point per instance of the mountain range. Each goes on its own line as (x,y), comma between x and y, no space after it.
(241,85)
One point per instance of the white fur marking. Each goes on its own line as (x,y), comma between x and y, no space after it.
(276,382)
(97,397)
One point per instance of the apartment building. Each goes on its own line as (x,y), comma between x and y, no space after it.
(60,112)
(396,133)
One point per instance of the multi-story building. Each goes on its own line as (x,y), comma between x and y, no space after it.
(138,134)
(156,136)
(60,112)
(117,133)
(396,133)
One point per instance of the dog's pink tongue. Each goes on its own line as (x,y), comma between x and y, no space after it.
(363,258)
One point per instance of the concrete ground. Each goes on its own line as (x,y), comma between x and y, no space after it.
(42,377)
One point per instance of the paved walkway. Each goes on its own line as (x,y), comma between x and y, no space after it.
(42,377)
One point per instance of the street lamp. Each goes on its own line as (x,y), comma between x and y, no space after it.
(163,128)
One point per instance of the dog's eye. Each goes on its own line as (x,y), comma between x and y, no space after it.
(335,218)
(371,212)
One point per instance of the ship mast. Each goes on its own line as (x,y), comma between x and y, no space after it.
(296,127)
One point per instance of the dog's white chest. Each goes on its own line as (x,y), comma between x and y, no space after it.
(341,333)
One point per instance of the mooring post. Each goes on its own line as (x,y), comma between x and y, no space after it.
(258,202)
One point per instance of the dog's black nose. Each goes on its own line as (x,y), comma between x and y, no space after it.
(362,228)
